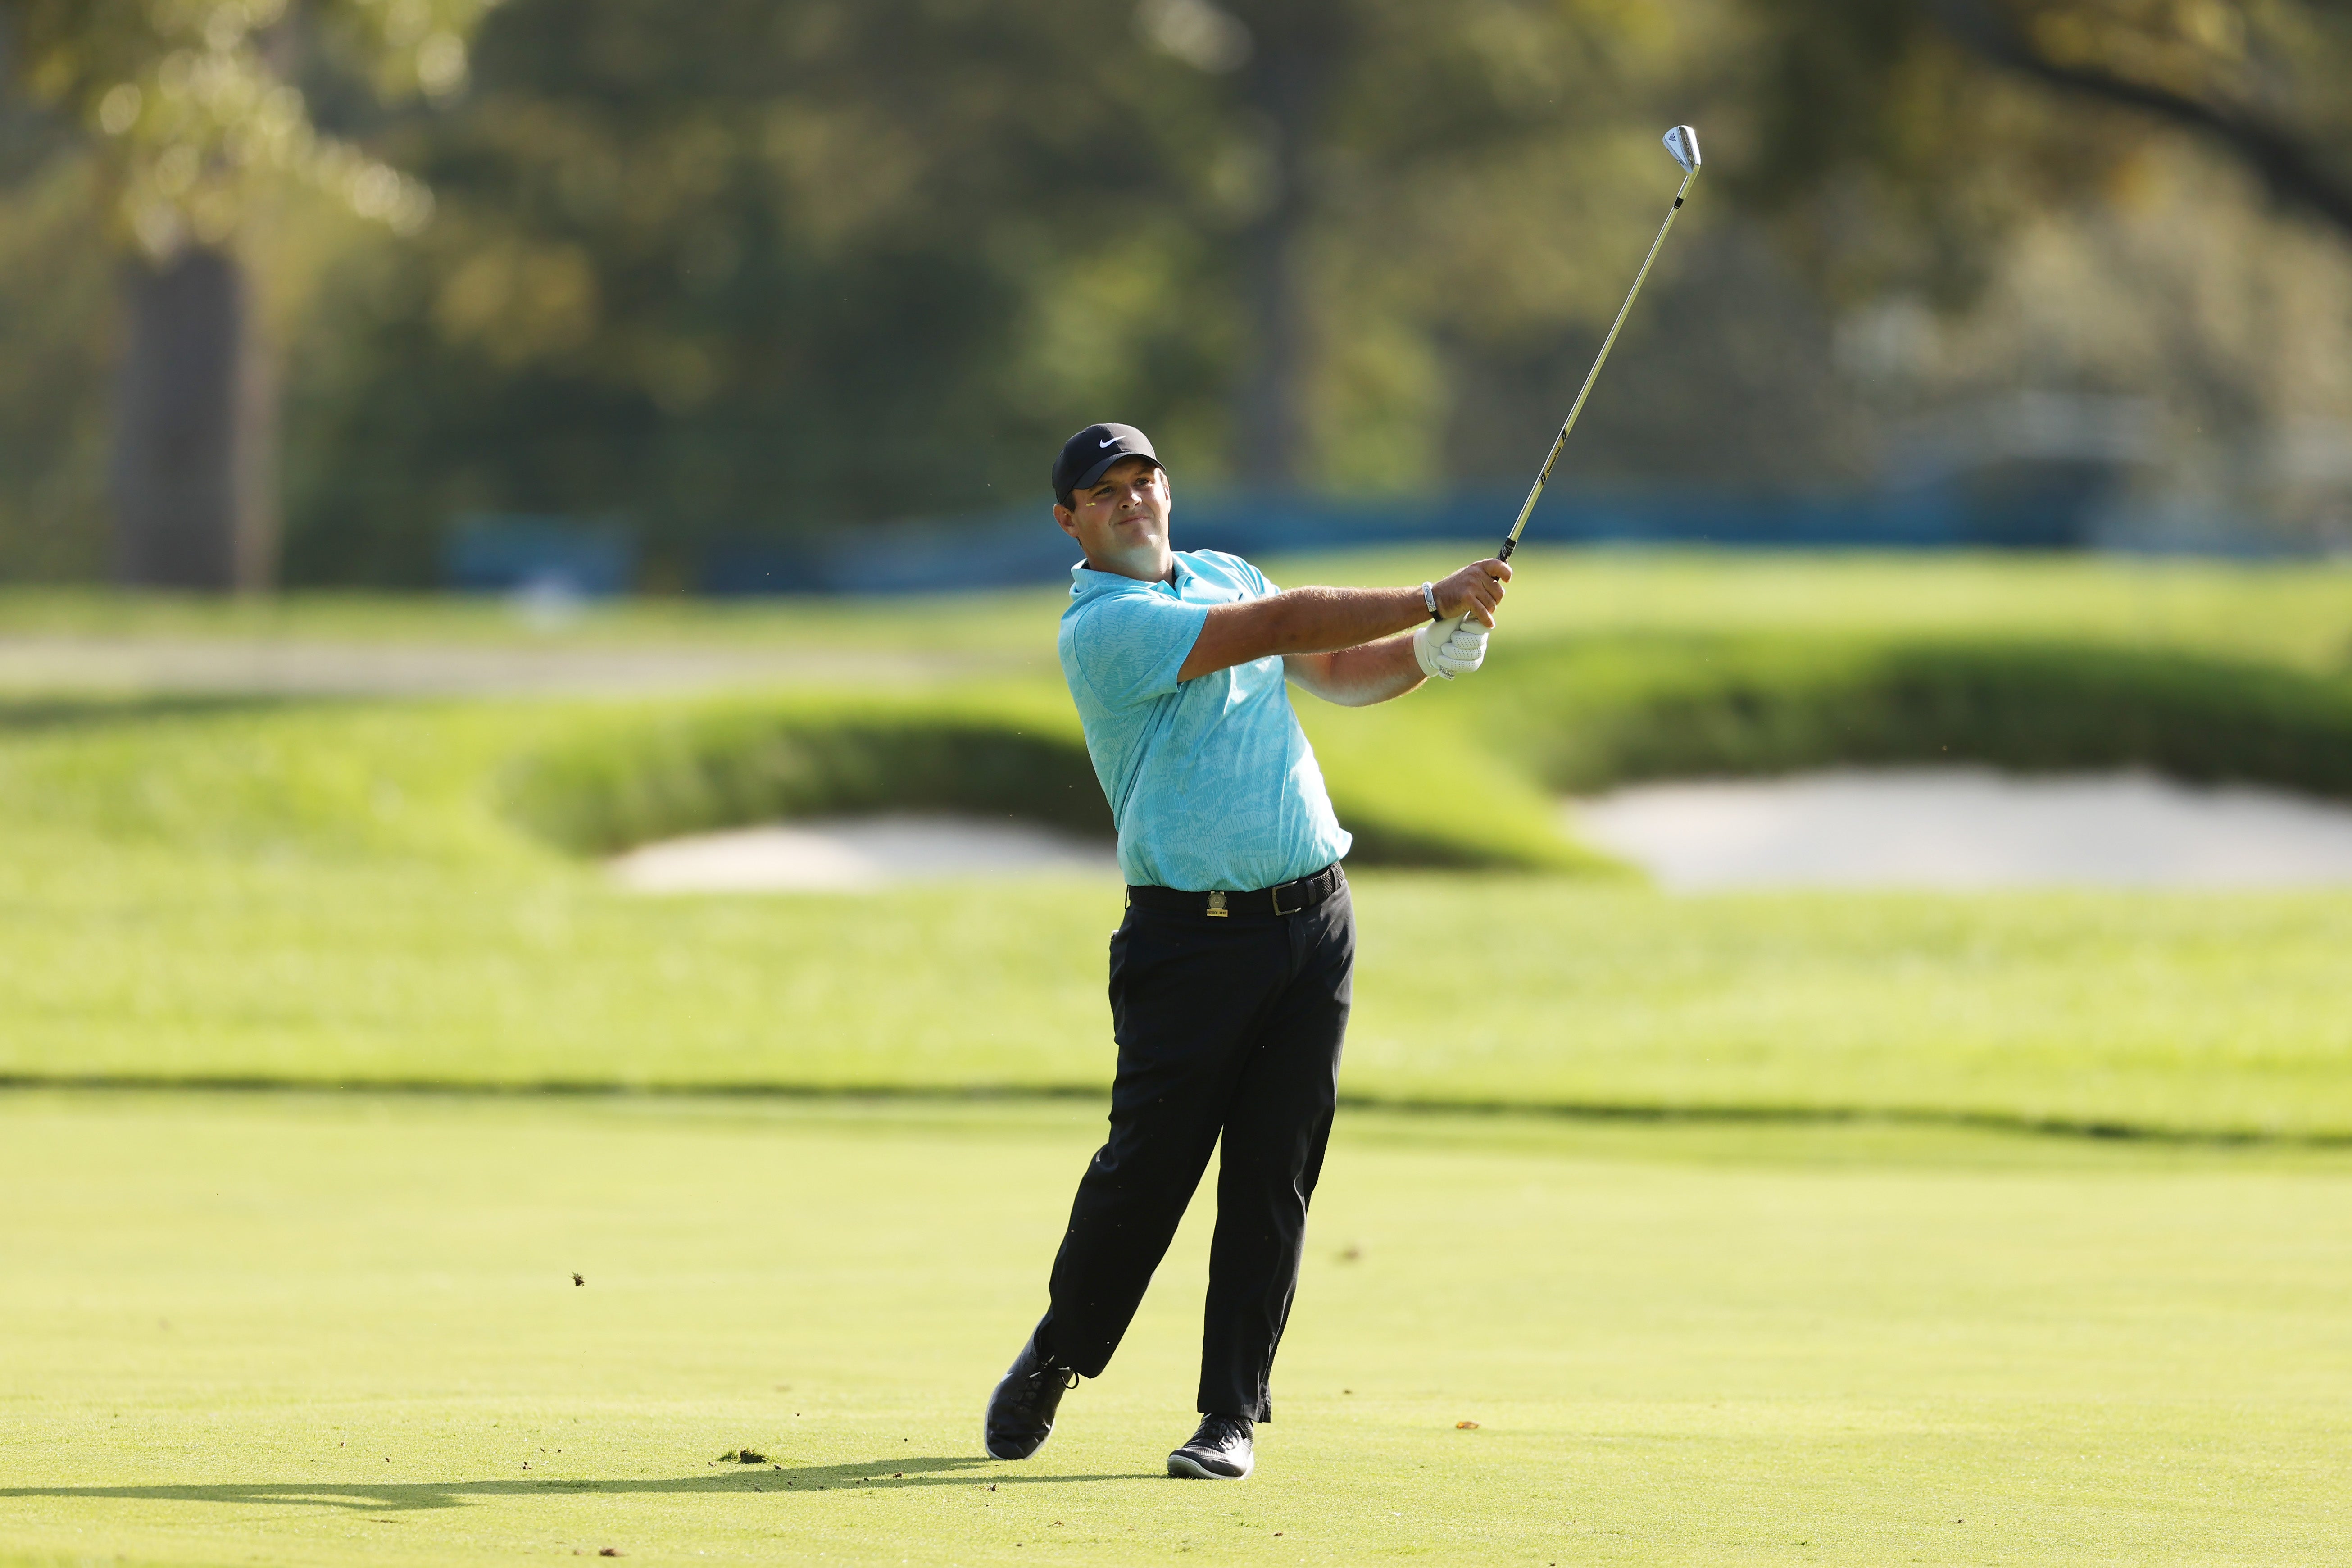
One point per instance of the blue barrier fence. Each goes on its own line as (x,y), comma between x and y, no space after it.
(1020,545)
(507,554)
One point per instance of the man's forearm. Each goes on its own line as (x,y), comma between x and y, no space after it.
(1359,677)
(1323,620)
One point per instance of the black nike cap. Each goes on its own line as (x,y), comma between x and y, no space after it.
(1088,455)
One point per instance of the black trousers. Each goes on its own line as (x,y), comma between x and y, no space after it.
(1227,1027)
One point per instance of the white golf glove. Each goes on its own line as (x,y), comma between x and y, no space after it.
(1445,650)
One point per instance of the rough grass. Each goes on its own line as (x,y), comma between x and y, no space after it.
(318,1332)
(393,893)
(2196,1016)
(378,894)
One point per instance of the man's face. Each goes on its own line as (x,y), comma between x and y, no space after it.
(1121,521)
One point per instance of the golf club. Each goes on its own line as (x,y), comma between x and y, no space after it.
(1682,142)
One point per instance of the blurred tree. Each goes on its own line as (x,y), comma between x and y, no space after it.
(1889,107)
(754,267)
(54,351)
(2262,80)
(1998,195)
(1891,161)
(192,119)
(744,267)
(1417,182)
(713,267)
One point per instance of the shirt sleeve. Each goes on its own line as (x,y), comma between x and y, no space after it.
(1128,646)
(1255,581)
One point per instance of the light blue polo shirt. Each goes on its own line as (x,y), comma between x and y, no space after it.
(1211,781)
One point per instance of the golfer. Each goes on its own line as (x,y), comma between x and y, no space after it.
(1229,973)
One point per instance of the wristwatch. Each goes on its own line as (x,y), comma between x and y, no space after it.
(1428,597)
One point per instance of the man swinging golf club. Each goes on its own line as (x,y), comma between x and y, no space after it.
(1229,973)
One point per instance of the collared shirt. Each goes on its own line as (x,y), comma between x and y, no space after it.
(1211,780)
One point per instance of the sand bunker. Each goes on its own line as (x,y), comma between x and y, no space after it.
(1938,828)
(1969,827)
(858,854)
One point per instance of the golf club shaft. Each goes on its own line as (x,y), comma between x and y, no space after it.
(1511,541)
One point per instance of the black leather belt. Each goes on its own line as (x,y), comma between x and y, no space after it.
(1287,899)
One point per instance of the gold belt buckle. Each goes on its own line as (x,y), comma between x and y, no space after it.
(1217,905)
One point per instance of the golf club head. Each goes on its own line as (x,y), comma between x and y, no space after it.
(1683,142)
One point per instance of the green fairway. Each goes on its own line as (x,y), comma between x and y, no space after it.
(307,1331)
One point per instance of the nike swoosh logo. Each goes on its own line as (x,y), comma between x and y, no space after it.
(1112,442)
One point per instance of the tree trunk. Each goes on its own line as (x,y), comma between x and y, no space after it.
(193,468)
(1285,80)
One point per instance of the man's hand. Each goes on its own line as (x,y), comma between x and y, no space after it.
(1445,650)
(1468,600)
(1477,590)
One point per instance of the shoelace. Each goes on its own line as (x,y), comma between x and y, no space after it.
(1219,1432)
(1036,1381)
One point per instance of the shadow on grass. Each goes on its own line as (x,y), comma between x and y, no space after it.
(1662,1114)
(407,1496)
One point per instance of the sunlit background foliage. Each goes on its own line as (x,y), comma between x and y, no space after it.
(759,268)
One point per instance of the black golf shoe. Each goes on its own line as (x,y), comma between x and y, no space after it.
(1219,1451)
(1021,1411)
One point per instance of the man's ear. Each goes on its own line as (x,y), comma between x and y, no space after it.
(1067,518)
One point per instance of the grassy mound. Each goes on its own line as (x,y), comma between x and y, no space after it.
(1595,714)
(1462,777)
(657,774)
(1408,785)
